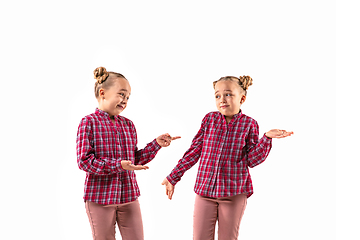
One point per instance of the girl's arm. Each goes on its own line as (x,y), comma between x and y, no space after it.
(190,157)
(86,153)
(257,149)
(145,155)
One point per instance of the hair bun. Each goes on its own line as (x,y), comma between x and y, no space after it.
(100,74)
(246,82)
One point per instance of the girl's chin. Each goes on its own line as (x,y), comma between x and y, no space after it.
(227,113)
(116,112)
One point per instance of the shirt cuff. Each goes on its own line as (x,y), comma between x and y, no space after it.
(114,166)
(119,167)
(268,138)
(172,181)
(155,145)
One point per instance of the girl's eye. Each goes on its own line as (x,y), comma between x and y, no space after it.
(228,95)
(217,96)
(123,96)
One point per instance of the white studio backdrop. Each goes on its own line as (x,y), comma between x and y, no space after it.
(171,53)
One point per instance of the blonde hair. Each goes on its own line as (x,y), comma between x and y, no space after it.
(104,79)
(244,81)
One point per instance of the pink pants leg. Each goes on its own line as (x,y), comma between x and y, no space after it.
(228,211)
(103,219)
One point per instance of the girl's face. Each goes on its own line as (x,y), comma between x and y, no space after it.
(114,100)
(228,98)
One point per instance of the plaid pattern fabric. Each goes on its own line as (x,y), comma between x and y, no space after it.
(100,147)
(226,151)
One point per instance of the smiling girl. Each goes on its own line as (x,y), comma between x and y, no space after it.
(107,151)
(227,144)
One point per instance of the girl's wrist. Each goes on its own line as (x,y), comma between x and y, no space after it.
(267,136)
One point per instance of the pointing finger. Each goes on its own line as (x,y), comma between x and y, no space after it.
(174,138)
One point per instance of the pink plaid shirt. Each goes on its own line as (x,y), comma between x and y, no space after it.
(100,146)
(226,151)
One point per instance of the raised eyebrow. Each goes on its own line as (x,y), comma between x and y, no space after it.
(224,91)
(124,90)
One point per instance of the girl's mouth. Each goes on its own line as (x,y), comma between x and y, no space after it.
(224,106)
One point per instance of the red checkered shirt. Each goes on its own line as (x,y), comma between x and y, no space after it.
(226,151)
(101,145)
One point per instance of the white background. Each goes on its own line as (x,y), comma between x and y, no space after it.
(171,53)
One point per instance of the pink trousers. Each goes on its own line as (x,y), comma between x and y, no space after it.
(228,211)
(103,219)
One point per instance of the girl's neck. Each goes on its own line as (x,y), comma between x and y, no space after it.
(228,119)
(112,117)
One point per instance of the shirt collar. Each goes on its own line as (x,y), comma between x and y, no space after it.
(235,117)
(101,112)
(238,115)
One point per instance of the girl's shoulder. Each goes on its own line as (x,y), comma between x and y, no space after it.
(89,118)
(215,114)
(87,122)
(92,117)
(248,120)
(212,116)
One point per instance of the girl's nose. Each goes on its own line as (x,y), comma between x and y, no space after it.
(222,99)
(125,100)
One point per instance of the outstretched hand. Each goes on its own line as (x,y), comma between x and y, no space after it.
(127,165)
(164,140)
(169,188)
(277,133)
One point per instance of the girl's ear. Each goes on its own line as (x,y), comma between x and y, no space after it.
(242,100)
(101,93)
